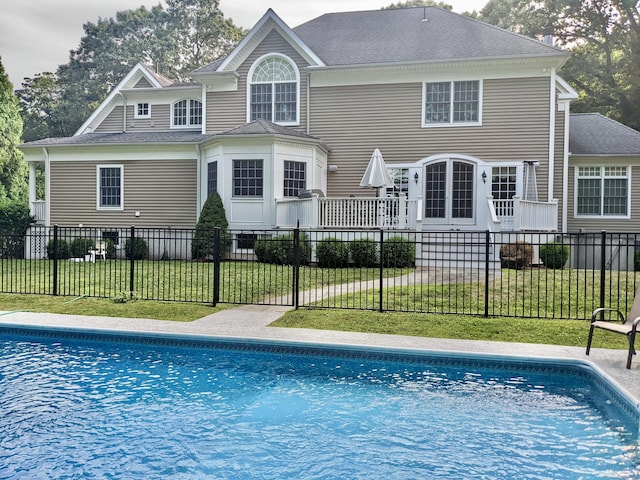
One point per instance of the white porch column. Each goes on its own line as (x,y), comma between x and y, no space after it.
(32,186)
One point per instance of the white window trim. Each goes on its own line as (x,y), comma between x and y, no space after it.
(452,123)
(249,83)
(189,125)
(110,209)
(135,111)
(601,217)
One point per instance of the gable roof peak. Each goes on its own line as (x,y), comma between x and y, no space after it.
(269,21)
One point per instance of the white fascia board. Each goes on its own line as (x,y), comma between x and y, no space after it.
(122,153)
(430,71)
(565,91)
(127,81)
(258,32)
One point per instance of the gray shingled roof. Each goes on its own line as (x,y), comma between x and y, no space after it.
(263,127)
(162,80)
(403,35)
(257,127)
(412,35)
(595,134)
(123,138)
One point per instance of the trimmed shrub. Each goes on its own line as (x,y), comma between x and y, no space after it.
(212,216)
(398,252)
(80,247)
(279,249)
(110,248)
(517,255)
(554,255)
(364,252)
(140,248)
(332,252)
(63,249)
(636,261)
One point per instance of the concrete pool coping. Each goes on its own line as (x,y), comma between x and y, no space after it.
(252,321)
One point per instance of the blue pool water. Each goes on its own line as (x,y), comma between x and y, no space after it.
(85,406)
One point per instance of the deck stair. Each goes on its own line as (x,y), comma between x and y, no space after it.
(454,249)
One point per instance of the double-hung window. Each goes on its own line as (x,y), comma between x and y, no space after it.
(247,178)
(186,113)
(451,103)
(294,178)
(274,90)
(602,191)
(110,187)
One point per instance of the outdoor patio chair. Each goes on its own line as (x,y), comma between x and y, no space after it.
(628,326)
(100,250)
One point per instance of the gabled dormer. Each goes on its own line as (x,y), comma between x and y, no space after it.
(147,101)
(262,75)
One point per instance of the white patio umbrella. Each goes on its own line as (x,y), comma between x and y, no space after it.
(376,174)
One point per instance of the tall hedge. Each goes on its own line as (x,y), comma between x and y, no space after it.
(14,222)
(212,216)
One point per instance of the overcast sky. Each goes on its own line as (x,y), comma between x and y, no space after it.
(36,36)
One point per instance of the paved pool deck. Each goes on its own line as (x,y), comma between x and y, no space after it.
(252,321)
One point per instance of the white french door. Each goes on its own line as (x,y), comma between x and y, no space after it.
(449,196)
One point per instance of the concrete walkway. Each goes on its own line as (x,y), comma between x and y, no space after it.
(252,321)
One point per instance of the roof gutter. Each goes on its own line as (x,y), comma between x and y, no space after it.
(431,63)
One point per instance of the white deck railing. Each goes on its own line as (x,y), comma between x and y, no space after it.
(38,210)
(393,212)
(539,216)
(398,212)
(516,214)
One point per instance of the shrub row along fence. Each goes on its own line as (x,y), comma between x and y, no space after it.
(563,276)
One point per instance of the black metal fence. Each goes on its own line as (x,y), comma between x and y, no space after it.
(542,275)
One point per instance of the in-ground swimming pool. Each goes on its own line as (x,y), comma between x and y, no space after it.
(91,406)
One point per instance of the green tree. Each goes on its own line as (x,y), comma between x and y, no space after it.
(521,16)
(13,168)
(199,34)
(39,99)
(14,222)
(173,40)
(212,216)
(418,3)
(604,39)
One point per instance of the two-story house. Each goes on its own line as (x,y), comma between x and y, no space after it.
(472,122)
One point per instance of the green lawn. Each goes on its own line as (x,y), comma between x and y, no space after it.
(530,330)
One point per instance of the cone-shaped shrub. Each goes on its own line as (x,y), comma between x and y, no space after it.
(211,216)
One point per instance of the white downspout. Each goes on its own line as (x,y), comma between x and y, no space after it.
(565,173)
(552,135)
(308,103)
(199,192)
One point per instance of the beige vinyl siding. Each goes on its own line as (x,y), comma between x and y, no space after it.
(113,122)
(227,110)
(353,120)
(143,83)
(632,224)
(164,191)
(160,118)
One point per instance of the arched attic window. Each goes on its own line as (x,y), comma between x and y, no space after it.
(273,90)
(186,113)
